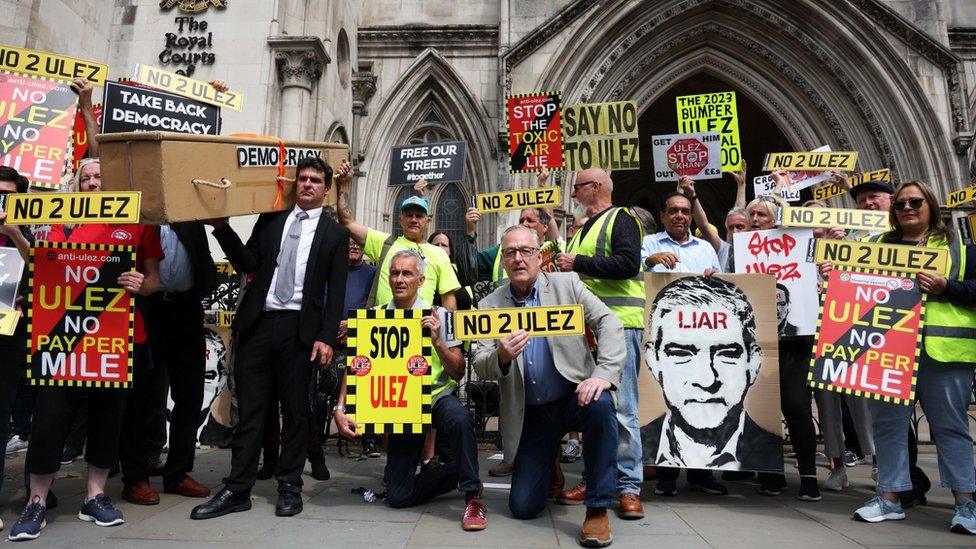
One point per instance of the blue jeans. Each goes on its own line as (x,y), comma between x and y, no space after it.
(542,429)
(630,465)
(944,392)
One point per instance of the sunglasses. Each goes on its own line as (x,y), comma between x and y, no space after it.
(913,203)
(579,186)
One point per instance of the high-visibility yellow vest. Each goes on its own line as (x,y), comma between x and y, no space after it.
(624,297)
(498,270)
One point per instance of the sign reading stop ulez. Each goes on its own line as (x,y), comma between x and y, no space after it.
(697,155)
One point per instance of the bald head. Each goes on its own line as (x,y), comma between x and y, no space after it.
(593,189)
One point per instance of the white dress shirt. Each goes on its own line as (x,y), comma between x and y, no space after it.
(272,303)
(694,255)
(175,270)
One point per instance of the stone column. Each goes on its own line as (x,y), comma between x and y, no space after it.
(363,88)
(300,61)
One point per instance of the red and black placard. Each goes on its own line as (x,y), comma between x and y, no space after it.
(535,135)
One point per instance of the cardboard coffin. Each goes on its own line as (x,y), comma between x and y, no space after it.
(185,177)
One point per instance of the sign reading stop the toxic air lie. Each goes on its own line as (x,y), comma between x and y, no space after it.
(697,155)
(535,135)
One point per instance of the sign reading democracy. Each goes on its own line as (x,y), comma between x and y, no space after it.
(960,197)
(713,112)
(697,155)
(887,257)
(51,65)
(764,185)
(81,320)
(783,253)
(135,108)
(852,220)
(61,208)
(36,127)
(389,383)
(476,324)
(80,141)
(187,87)
(831,190)
(262,156)
(518,199)
(869,336)
(601,135)
(432,162)
(535,135)
(841,161)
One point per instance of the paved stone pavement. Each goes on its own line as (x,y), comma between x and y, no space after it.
(334,517)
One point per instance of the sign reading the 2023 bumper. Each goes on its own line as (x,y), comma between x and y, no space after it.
(135,108)
(535,135)
(81,320)
(389,380)
(869,337)
(432,162)
(36,123)
(601,135)
(713,112)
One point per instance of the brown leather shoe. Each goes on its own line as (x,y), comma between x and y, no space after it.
(630,507)
(188,487)
(574,496)
(596,528)
(557,482)
(140,492)
(503,469)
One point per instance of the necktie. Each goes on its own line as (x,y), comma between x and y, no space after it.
(285,283)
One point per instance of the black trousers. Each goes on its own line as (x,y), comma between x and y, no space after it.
(696,476)
(13,365)
(179,348)
(270,360)
(133,444)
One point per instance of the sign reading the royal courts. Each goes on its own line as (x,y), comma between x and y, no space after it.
(601,135)
(535,133)
(713,112)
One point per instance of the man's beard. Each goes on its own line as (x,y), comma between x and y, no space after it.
(716,437)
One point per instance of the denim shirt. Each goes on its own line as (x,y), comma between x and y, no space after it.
(543,382)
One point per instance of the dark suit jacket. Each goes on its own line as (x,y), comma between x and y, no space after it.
(194,239)
(324,289)
(757,449)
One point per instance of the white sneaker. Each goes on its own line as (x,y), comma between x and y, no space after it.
(837,480)
(572,451)
(16,444)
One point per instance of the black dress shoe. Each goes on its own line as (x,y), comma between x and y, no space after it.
(289,503)
(223,503)
(320,471)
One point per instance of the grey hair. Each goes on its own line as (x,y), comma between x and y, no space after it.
(514,228)
(410,252)
(737,211)
(75,185)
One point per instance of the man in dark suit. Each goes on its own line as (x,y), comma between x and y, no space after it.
(783,311)
(756,449)
(287,323)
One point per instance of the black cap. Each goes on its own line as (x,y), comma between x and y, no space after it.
(871,186)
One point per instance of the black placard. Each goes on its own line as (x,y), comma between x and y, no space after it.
(134,108)
(434,162)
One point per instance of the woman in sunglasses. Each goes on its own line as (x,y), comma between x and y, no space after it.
(945,370)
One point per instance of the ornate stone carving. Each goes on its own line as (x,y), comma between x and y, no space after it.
(535,39)
(363,88)
(429,36)
(300,60)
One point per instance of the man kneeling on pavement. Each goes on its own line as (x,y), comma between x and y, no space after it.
(553,385)
(450,418)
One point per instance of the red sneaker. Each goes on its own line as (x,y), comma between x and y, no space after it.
(475,516)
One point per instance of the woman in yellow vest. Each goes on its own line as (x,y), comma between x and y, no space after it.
(945,371)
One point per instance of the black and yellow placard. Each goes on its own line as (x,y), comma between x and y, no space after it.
(8,321)
(852,220)
(960,197)
(601,135)
(841,161)
(899,258)
(51,65)
(225,319)
(224,268)
(120,207)
(475,324)
(389,382)
(188,87)
(832,190)
(518,199)
(713,112)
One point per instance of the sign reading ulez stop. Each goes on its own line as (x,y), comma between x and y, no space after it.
(697,155)
(688,156)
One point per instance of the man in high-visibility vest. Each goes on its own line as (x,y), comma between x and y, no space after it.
(605,252)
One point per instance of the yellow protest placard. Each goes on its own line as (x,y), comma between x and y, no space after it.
(841,161)
(713,112)
(187,87)
(601,135)
(887,257)
(8,321)
(517,199)
(497,323)
(389,385)
(831,190)
(51,65)
(960,197)
(225,319)
(120,207)
(852,220)
(224,268)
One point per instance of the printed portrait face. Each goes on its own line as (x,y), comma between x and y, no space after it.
(782,303)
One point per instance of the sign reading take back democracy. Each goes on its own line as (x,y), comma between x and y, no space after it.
(601,135)
(535,135)
(135,108)
(869,336)
(81,320)
(389,383)
(713,112)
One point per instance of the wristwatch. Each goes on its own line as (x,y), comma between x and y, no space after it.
(338,408)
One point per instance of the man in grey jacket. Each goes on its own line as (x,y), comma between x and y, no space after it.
(553,385)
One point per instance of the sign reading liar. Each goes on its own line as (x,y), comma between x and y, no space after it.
(852,220)
(535,135)
(869,337)
(135,108)
(37,121)
(433,162)
(64,208)
(713,112)
(783,253)
(389,383)
(888,257)
(698,155)
(187,87)
(516,200)
(601,135)
(475,324)
(81,320)
(50,65)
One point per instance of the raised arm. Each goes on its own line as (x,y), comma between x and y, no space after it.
(686,185)
(343,178)
(83,88)
(552,231)
(740,186)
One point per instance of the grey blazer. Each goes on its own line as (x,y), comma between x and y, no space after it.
(570,353)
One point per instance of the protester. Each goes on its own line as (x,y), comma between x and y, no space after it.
(287,322)
(463,296)
(553,385)
(735,219)
(108,425)
(450,417)
(606,255)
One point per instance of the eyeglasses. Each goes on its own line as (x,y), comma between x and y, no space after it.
(578,186)
(913,203)
(526,252)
